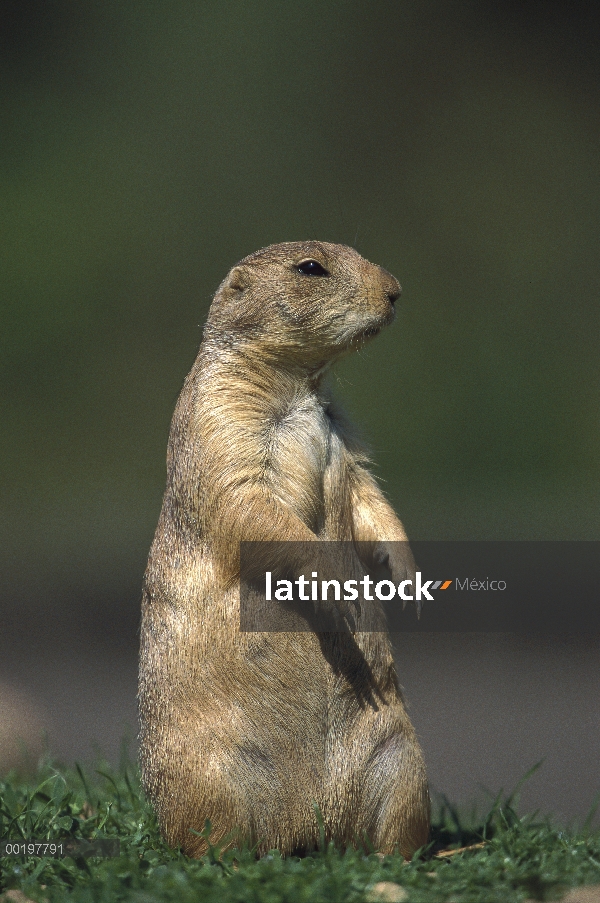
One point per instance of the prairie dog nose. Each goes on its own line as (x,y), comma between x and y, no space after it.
(391,286)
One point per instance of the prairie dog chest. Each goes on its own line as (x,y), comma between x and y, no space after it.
(306,459)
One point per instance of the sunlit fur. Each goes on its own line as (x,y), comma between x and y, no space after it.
(251,730)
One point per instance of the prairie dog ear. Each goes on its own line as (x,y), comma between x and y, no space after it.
(238,279)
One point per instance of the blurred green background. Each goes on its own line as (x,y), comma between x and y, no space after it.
(147,148)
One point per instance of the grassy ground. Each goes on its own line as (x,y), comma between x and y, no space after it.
(521,858)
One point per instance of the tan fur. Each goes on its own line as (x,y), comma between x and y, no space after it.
(250,730)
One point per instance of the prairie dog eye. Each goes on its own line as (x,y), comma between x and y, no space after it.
(311,268)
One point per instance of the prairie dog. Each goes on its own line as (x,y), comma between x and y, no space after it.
(253,730)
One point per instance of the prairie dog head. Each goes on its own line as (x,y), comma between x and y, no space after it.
(307,302)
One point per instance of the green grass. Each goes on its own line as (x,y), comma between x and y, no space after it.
(523,857)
